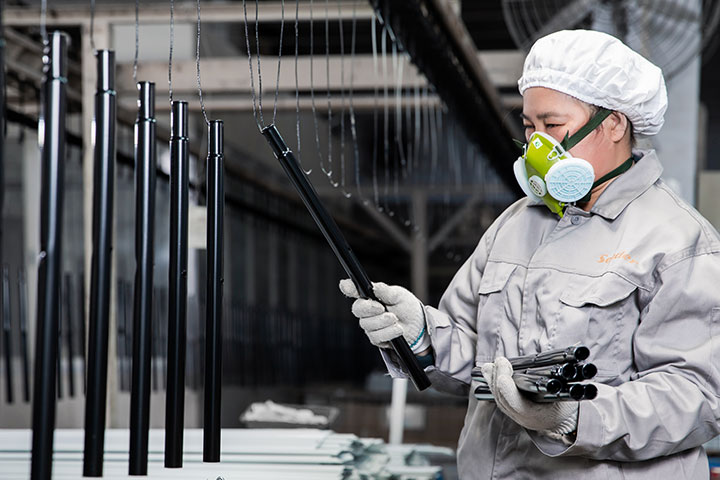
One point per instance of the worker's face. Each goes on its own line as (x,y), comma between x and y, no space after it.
(557,114)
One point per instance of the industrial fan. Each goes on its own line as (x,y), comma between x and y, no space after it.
(668,32)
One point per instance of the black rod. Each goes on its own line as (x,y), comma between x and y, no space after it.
(48,300)
(100,274)
(7,333)
(214,297)
(22,313)
(69,332)
(177,305)
(145,160)
(3,124)
(339,245)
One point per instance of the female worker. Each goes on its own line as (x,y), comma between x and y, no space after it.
(601,253)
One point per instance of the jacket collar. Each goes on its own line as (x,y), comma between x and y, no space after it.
(628,186)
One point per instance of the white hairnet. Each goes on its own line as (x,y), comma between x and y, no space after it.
(599,69)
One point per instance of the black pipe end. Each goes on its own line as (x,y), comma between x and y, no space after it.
(146,100)
(215,137)
(55,55)
(179,119)
(105,70)
(275,140)
(581,353)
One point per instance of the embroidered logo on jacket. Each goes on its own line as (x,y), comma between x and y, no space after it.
(616,256)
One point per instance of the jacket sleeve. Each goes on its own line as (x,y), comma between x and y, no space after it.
(671,404)
(452,328)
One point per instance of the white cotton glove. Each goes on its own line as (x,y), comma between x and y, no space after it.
(559,418)
(404,315)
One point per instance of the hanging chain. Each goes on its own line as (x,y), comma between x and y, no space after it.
(172,41)
(197,65)
(92,25)
(277,82)
(43,21)
(252,77)
(137,40)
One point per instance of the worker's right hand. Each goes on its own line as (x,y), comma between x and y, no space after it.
(397,313)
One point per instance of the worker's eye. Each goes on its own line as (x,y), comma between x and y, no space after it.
(552,125)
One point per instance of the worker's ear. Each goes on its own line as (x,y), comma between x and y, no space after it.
(617,125)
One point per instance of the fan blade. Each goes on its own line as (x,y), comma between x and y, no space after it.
(677,10)
(567,17)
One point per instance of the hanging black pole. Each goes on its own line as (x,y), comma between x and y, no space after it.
(3,125)
(51,205)
(177,305)
(214,302)
(22,313)
(145,160)
(100,275)
(339,244)
(7,331)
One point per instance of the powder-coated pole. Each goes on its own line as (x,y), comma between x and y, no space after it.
(50,264)
(339,244)
(145,164)
(213,318)
(177,305)
(100,270)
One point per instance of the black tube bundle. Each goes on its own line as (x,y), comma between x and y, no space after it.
(339,245)
(99,321)
(548,376)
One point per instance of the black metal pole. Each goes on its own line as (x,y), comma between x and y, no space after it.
(3,124)
(69,332)
(22,313)
(7,331)
(339,245)
(145,160)
(177,305)
(214,296)
(100,275)
(50,265)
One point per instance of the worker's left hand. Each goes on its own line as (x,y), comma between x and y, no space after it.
(555,417)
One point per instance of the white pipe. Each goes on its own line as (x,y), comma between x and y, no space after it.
(397,410)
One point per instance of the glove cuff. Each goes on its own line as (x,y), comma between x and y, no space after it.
(566,427)
(421,343)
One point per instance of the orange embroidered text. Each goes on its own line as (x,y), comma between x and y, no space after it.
(617,256)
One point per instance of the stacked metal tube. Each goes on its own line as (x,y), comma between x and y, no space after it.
(99,321)
(48,293)
(145,164)
(549,376)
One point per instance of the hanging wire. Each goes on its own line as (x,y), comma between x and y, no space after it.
(257,48)
(252,77)
(312,91)
(297,89)
(342,96)
(197,65)
(92,25)
(373,33)
(137,40)
(43,22)
(386,116)
(277,82)
(353,124)
(329,97)
(172,41)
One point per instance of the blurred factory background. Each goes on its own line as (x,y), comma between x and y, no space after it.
(401,112)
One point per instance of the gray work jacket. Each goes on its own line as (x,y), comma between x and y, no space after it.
(637,280)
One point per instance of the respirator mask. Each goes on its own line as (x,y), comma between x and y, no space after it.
(547,172)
